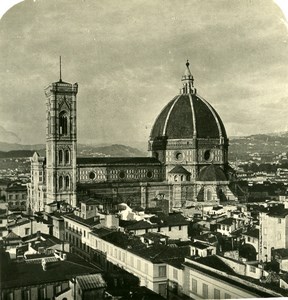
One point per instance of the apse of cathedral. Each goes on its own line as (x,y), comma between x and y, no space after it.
(187,163)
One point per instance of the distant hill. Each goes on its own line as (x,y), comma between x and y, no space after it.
(109,150)
(16,153)
(9,147)
(273,143)
(239,148)
(82,150)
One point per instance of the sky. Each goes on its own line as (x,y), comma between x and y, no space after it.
(128,58)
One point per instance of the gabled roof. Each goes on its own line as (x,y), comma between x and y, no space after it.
(179,170)
(12,236)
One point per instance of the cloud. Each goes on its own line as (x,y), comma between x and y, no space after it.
(128,60)
(8,136)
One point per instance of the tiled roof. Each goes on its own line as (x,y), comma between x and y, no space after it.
(91,222)
(91,201)
(179,170)
(278,213)
(212,173)
(228,221)
(155,253)
(282,252)
(100,232)
(117,161)
(154,236)
(199,245)
(18,274)
(16,188)
(253,233)
(181,114)
(141,225)
(18,222)
(162,220)
(91,281)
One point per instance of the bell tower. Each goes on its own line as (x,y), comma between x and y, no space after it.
(61,140)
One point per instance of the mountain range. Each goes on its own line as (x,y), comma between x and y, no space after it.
(240,147)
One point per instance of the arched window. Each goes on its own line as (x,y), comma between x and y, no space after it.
(60,182)
(63,123)
(67,156)
(67,182)
(60,156)
(209,195)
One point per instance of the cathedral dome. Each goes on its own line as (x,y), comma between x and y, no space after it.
(188,116)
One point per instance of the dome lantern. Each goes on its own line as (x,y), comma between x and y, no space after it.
(188,81)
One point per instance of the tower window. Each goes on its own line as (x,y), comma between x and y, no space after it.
(60,156)
(67,182)
(63,123)
(67,157)
(60,182)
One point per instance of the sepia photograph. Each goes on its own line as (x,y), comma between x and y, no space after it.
(143,149)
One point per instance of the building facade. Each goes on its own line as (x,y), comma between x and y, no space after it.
(187,163)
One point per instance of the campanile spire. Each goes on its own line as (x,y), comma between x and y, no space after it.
(60,69)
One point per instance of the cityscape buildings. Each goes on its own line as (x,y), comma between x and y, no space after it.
(172,224)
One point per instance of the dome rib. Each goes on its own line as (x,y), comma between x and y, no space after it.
(168,115)
(159,124)
(214,115)
(193,116)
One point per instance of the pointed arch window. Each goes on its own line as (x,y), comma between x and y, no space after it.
(63,123)
(67,156)
(67,182)
(60,184)
(60,155)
